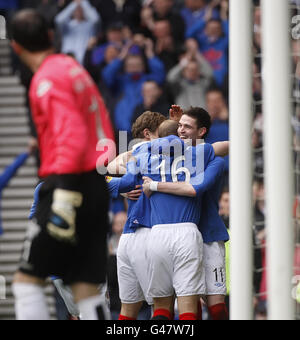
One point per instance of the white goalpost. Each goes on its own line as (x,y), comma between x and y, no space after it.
(278,157)
(279,174)
(241,216)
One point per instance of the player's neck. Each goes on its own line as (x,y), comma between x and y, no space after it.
(35,60)
(198,142)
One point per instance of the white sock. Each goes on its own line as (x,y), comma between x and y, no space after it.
(30,302)
(94,308)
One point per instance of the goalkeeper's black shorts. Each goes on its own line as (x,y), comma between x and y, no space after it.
(82,258)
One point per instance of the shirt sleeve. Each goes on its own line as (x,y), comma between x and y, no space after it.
(205,153)
(127,183)
(110,74)
(65,16)
(157,70)
(212,173)
(113,186)
(195,29)
(90,12)
(11,170)
(35,201)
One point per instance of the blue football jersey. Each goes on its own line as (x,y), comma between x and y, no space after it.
(138,215)
(127,183)
(211,224)
(169,159)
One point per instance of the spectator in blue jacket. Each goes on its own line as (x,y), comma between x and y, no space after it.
(213,39)
(7,175)
(125,77)
(218,110)
(195,11)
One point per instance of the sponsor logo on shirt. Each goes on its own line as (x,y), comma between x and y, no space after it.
(44,87)
(108,179)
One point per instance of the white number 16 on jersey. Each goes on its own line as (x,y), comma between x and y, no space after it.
(174,171)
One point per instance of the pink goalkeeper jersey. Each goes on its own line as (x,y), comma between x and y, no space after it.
(70,117)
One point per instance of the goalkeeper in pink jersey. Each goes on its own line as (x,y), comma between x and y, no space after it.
(69,232)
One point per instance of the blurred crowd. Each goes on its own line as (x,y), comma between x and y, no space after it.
(147,55)
(150,54)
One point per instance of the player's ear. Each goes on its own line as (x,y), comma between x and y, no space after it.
(147,134)
(16,47)
(202,132)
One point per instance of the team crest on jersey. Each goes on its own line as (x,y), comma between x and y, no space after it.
(43,88)
(108,179)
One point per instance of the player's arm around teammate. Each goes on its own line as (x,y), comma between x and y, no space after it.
(211,174)
(190,127)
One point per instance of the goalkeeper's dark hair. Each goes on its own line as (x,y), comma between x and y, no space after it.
(31,30)
(202,117)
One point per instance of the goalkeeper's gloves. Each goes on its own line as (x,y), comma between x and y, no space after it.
(62,222)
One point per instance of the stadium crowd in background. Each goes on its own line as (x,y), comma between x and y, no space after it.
(149,54)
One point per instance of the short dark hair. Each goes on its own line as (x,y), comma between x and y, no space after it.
(202,117)
(30,29)
(115,26)
(213,89)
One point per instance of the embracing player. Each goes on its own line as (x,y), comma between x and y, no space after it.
(131,255)
(212,227)
(167,128)
(175,246)
(188,299)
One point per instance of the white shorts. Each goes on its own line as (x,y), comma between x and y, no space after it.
(175,255)
(133,267)
(215,268)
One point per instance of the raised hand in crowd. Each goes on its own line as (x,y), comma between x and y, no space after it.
(149,48)
(147,19)
(224,9)
(125,50)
